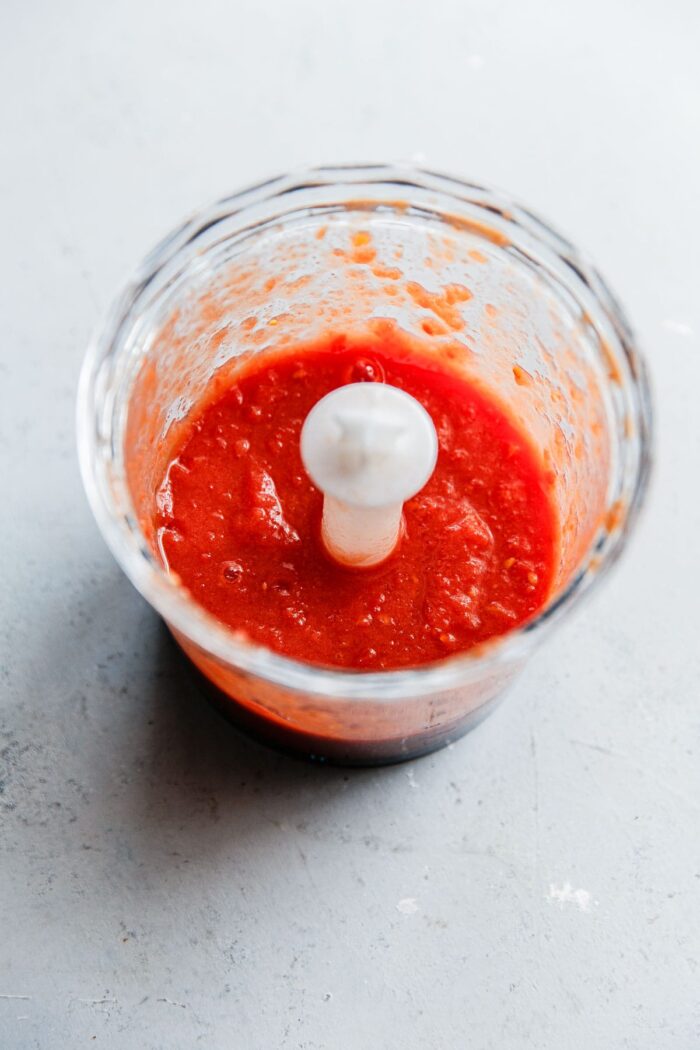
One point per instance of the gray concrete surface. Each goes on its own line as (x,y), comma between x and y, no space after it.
(167,884)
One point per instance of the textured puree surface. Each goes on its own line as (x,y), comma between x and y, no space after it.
(239,521)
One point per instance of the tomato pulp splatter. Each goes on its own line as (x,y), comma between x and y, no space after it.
(239,521)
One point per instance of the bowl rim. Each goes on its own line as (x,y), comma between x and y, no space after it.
(185,617)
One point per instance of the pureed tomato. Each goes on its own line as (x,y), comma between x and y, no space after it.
(239,521)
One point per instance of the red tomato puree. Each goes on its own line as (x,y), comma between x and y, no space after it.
(239,520)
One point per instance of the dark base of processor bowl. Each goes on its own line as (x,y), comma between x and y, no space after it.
(333,751)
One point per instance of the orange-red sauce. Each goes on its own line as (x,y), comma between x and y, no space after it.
(238,520)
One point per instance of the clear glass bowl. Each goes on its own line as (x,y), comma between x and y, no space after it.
(479,282)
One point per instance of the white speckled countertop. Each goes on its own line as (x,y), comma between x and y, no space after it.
(164,883)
